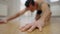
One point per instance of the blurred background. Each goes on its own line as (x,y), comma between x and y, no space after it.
(11,7)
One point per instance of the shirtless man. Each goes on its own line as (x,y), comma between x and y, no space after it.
(42,16)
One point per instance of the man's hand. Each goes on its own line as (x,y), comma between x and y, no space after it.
(3,21)
(30,27)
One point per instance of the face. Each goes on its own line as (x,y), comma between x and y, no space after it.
(31,8)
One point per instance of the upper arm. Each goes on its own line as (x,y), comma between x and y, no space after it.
(45,7)
(22,11)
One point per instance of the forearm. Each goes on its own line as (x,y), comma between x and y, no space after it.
(17,15)
(37,17)
(45,15)
(13,17)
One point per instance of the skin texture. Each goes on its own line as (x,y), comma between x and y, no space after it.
(39,22)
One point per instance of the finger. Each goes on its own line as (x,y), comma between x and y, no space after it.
(31,29)
(40,29)
(26,27)
(22,27)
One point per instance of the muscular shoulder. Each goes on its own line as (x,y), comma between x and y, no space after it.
(43,4)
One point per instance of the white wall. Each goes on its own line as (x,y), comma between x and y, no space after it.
(14,6)
(55,10)
(3,2)
(3,8)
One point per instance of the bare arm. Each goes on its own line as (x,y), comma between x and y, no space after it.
(37,17)
(45,12)
(17,15)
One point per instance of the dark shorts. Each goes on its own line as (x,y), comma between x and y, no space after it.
(39,12)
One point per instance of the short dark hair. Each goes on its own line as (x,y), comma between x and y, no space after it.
(29,2)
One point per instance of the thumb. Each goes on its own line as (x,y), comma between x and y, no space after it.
(40,29)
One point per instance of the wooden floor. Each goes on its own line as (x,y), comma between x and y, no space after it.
(52,28)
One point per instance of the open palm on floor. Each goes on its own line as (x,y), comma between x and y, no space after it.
(31,26)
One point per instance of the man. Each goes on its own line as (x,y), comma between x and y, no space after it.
(42,16)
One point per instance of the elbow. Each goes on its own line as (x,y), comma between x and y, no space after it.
(50,13)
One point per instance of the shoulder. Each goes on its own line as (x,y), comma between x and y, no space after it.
(41,2)
(44,4)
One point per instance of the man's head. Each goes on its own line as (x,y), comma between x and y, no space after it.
(30,4)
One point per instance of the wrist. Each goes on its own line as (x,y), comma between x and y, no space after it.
(42,20)
(7,19)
